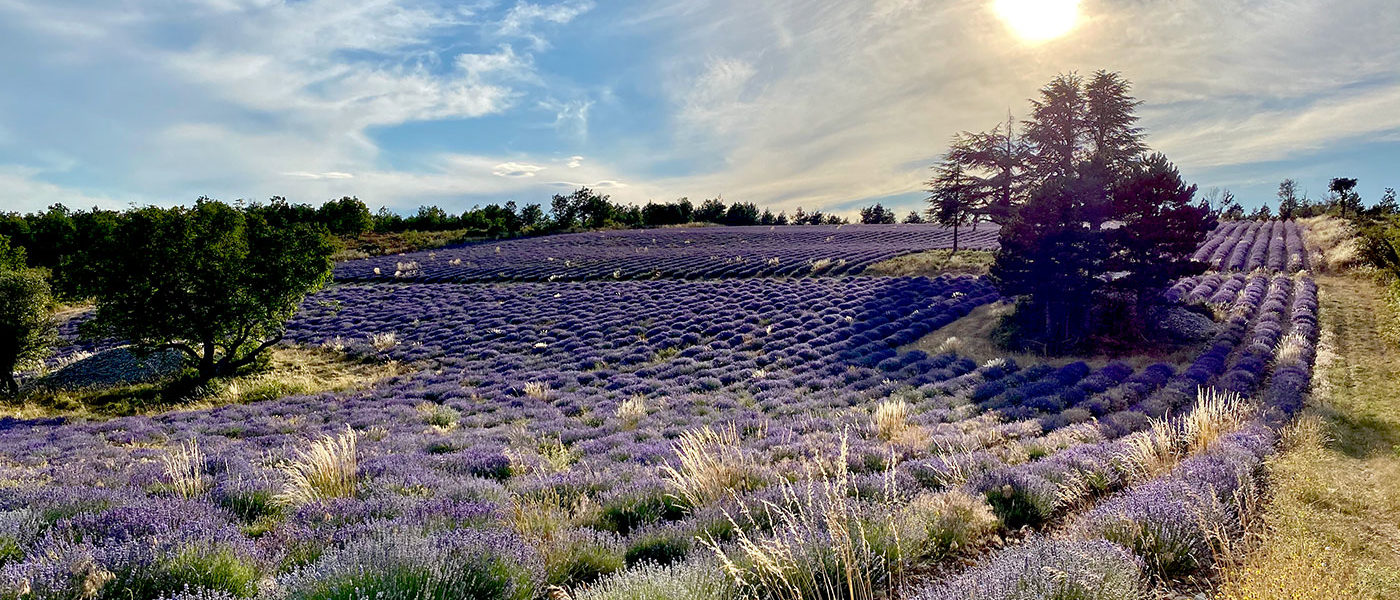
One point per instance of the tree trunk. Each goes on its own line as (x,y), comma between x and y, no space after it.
(955,239)
(11,385)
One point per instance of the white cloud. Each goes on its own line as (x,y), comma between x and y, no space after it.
(522,18)
(514,169)
(571,117)
(575,162)
(25,191)
(326,175)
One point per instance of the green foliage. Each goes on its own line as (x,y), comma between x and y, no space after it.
(877,214)
(215,569)
(212,281)
(581,557)
(1380,245)
(662,546)
(12,257)
(26,326)
(345,217)
(710,211)
(1100,222)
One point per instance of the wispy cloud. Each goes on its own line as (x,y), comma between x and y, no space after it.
(818,103)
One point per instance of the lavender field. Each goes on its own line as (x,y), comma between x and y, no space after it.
(673,253)
(721,429)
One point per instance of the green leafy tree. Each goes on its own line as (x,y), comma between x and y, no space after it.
(12,257)
(1386,206)
(532,216)
(211,281)
(913,218)
(741,213)
(998,159)
(1104,224)
(345,217)
(710,211)
(26,326)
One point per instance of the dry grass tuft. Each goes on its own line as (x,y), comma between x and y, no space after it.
(384,341)
(327,469)
(1216,413)
(632,411)
(1154,451)
(184,466)
(537,390)
(822,545)
(1332,243)
(891,419)
(712,466)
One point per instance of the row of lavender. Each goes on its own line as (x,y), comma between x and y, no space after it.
(673,253)
(531,407)
(1175,525)
(1250,245)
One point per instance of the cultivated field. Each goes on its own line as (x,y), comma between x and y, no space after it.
(684,413)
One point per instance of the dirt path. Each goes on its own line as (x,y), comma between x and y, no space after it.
(1332,526)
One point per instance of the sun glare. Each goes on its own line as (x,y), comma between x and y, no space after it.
(1038,20)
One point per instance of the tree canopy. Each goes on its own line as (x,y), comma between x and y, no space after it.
(26,325)
(1089,216)
(213,281)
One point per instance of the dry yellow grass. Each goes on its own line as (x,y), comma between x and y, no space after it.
(329,468)
(712,465)
(1331,528)
(932,263)
(1332,244)
(290,371)
(184,466)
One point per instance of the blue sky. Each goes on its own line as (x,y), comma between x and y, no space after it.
(823,104)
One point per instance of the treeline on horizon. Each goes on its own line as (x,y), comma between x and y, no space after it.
(61,240)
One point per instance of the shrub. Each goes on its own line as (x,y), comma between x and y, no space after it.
(947,522)
(661,546)
(687,581)
(1043,568)
(464,563)
(26,327)
(581,556)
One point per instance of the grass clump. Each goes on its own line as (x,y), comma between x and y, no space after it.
(712,466)
(945,523)
(184,467)
(328,469)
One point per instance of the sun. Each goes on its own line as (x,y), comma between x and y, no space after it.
(1038,20)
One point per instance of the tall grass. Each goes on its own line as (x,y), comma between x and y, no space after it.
(823,544)
(184,466)
(1156,450)
(327,469)
(712,466)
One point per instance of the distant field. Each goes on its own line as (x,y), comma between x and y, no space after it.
(670,253)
